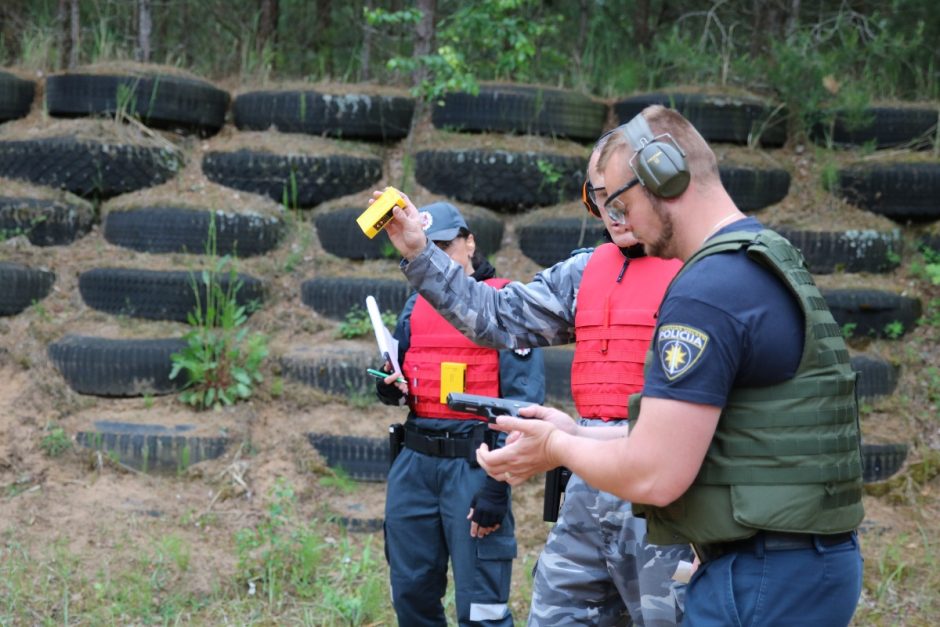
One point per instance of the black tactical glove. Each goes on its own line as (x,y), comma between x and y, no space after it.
(388,393)
(491,503)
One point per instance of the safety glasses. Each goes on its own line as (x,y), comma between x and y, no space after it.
(616,210)
(589,198)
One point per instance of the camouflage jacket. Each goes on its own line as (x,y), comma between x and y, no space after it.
(539,313)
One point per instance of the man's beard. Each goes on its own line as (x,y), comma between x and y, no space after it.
(661,247)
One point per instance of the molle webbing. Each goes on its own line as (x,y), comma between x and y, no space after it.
(784,457)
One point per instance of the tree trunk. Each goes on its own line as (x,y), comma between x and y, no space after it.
(793,19)
(267,27)
(365,53)
(14,18)
(75,34)
(324,32)
(585,10)
(185,41)
(62,33)
(144,28)
(424,38)
(641,24)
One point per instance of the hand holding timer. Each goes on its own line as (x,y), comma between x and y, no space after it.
(379,213)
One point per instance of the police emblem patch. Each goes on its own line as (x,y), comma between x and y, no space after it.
(679,347)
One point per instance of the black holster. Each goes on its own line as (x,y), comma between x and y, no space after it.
(556,481)
(396,439)
(481,434)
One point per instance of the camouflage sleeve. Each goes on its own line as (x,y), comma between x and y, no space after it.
(540,313)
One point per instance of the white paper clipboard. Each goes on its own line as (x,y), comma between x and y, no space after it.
(388,346)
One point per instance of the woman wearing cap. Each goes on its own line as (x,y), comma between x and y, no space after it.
(440,504)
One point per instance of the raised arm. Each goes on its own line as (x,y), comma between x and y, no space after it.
(540,313)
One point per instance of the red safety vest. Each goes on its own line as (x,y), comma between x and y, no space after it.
(613,327)
(434,341)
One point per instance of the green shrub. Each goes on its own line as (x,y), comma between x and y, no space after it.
(55,442)
(357,322)
(222,360)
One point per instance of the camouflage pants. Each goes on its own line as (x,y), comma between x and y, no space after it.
(597,569)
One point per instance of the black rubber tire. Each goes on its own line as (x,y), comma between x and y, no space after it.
(558,374)
(334,297)
(900,191)
(306,180)
(363,459)
(487,232)
(339,235)
(847,251)
(722,119)
(162,101)
(21,286)
(87,168)
(754,188)
(151,447)
(522,109)
(349,116)
(16,96)
(115,367)
(872,310)
(876,377)
(550,241)
(162,229)
(881,461)
(155,294)
(360,525)
(45,222)
(885,127)
(500,180)
(337,371)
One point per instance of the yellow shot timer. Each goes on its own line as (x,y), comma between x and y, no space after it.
(379,213)
(453,376)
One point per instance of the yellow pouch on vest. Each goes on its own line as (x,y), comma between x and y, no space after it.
(453,377)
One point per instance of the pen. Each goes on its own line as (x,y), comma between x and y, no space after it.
(378,374)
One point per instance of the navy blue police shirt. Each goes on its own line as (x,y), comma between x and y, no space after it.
(728,322)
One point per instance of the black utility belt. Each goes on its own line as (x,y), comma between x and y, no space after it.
(769,541)
(446,444)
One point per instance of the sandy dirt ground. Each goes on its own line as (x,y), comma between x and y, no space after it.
(102,511)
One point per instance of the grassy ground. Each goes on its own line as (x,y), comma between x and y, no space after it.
(196,548)
(248,540)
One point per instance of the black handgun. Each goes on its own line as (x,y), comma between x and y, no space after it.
(487,406)
(555,482)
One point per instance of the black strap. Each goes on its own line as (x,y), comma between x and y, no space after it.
(769,541)
(445,444)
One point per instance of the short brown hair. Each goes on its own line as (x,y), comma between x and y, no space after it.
(701,161)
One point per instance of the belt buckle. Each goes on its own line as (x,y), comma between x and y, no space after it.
(439,446)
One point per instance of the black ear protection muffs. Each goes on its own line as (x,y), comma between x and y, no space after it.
(659,166)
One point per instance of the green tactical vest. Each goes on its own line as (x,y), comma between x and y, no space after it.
(785,457)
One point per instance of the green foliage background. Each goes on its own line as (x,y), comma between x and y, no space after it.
(606,47)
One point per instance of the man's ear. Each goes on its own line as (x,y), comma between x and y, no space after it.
(471,244)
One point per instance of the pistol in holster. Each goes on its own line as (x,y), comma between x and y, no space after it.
(396,440)
(555,482)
